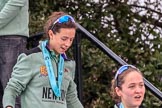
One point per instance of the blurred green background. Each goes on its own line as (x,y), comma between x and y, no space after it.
(131,30)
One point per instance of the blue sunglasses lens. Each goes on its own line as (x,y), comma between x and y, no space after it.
(122,69)
(63,19)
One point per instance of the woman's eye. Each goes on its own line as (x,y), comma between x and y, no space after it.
(131,86)
(141,85)
(64,39)
(71,39)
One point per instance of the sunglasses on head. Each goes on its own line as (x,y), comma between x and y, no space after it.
(63,19)
(122,69)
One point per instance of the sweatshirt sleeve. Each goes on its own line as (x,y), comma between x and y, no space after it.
(10,11)
(20,77)
(72,95)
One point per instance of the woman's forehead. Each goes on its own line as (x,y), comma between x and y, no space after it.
(133,76)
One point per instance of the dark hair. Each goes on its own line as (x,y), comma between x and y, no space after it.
(118,83)
(56,28)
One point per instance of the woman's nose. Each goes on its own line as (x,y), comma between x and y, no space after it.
(68,43)
(138,89)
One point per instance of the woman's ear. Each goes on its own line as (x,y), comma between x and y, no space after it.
(118,91)
(51,34)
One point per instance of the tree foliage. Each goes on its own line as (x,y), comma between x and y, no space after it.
(132,30)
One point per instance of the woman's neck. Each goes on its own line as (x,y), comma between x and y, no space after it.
(52,50)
